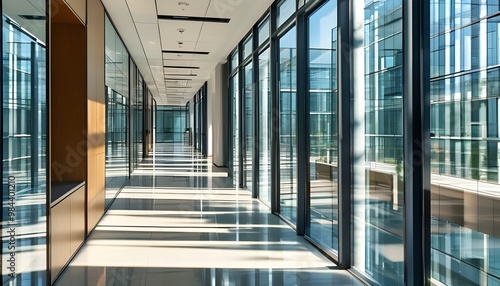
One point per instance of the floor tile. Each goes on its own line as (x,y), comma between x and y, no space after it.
(180,221)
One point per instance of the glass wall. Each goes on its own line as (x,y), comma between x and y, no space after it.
(378,145)
(323,134)
(383,96)
(235,119)
(117,112)
(285,9)
(24,145)
(263,34)
(171,124)
(288,125)
(465,99)
(248,128)
(248,46)
(265,119)
(137,110)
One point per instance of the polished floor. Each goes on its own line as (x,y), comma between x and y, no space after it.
(179,221)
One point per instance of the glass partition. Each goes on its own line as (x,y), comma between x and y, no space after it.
(117,112)
(137,119)
(323,127)
(288,125)
(24,144)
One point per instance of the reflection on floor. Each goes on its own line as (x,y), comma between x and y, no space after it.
(180,221)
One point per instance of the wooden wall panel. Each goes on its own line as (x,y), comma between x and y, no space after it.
(77,218)
(60,228)
(68,108)
(96,121)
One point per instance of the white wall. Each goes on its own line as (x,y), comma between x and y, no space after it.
(218,115)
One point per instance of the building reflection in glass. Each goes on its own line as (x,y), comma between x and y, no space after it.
(24,148)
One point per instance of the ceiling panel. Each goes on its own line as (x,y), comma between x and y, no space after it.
(143,11)
(186,31)
(175,57)
(227,8)
(177,44)
(214,33)
(179,8)
(216,38)
(120,14)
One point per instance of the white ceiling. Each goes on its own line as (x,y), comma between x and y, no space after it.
(145,37)
(15,8)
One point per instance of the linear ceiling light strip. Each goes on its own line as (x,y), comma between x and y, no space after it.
(181,67)
(194,19)
(185,52)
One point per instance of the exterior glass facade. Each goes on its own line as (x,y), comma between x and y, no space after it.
(235,129)
(265,117)
(288,125)
(323,125)
(378,146)
(464,55)
(248,145)
(171,124)
(443,86)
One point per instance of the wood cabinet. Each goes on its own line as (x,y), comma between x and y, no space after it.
(67,224)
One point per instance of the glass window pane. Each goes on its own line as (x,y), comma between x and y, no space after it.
(288,125)
(264,31)
(235,127)
(172,124)
(323,134)
(248,47)
(265,118)
(248,126)
(234,60)
(378,143)
(285,9)
(24,144)
(465,154)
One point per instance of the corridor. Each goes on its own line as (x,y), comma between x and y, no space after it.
(179,221)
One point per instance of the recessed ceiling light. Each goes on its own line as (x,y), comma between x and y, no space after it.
(183,5)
